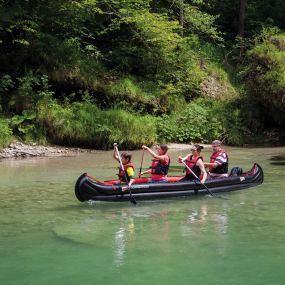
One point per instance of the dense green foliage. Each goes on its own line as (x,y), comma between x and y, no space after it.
(92,72)
(203,120)
(83,124)
(5,133)
(265,75)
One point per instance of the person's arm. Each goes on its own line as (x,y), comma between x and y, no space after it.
(145,172)
(180,158)
(131,182)
(152,153)
(115,155)
(210,164)
(203,171)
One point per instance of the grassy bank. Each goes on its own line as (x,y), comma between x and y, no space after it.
(5,133)
(83,124)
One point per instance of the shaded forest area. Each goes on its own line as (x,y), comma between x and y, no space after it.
(88,73)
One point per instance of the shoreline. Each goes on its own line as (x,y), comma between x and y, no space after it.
(21,150)
(186,146)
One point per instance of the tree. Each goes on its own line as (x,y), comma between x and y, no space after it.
(241,24)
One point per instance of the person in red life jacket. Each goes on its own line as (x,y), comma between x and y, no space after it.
(219,161)
(129,168)
(160,164)
(195,162)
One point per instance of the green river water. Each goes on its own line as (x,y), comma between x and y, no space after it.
(48,237)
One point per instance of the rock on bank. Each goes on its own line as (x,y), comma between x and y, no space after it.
(18,149)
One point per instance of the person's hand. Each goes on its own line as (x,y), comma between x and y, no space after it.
(179,159)
(125,188)
(144,147)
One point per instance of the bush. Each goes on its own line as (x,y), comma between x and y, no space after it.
(202,121)
(6,85)
(26,127)
(126,93)
(264,75)
(188,126)
(24,92)
(229,116)
(85,125)
(5,133)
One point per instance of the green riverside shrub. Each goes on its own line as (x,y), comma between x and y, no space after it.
(5,133)
(202,121)
(264,75)
(85,125)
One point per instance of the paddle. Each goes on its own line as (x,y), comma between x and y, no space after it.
(141,164)
(211,193)
(132,198)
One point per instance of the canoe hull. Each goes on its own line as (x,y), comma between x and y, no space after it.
(88,189)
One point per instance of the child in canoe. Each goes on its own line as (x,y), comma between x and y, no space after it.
(126,174)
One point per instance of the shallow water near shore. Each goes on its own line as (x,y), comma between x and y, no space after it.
(48,237)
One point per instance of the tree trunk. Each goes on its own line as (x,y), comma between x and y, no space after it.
(206,3)
(242,5)
(181,6)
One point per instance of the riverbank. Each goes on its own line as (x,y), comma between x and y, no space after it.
(20,150)
(185,146)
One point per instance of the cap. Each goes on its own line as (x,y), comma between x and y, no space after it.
(216,142)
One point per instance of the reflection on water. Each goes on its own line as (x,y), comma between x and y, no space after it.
(120,245)
(123,236)
(278,157)
(199,217)
(166,241)
(278,163)
(278,160)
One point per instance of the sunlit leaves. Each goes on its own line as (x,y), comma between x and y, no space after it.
(201,23)
(265,74)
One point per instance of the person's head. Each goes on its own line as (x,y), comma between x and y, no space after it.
(196,148)
(216,145)
(126,157)
(162,149)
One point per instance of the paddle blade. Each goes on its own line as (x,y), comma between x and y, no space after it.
(133,200)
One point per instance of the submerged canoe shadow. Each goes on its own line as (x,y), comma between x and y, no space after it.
(278,163)
(278,160)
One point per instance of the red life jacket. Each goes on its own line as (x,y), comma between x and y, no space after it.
(191,163)
(121,172)
(220,169)
(160,167)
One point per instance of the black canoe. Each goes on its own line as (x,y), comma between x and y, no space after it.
(89,188)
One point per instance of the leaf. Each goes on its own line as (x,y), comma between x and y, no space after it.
(17,120)
(29,114)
